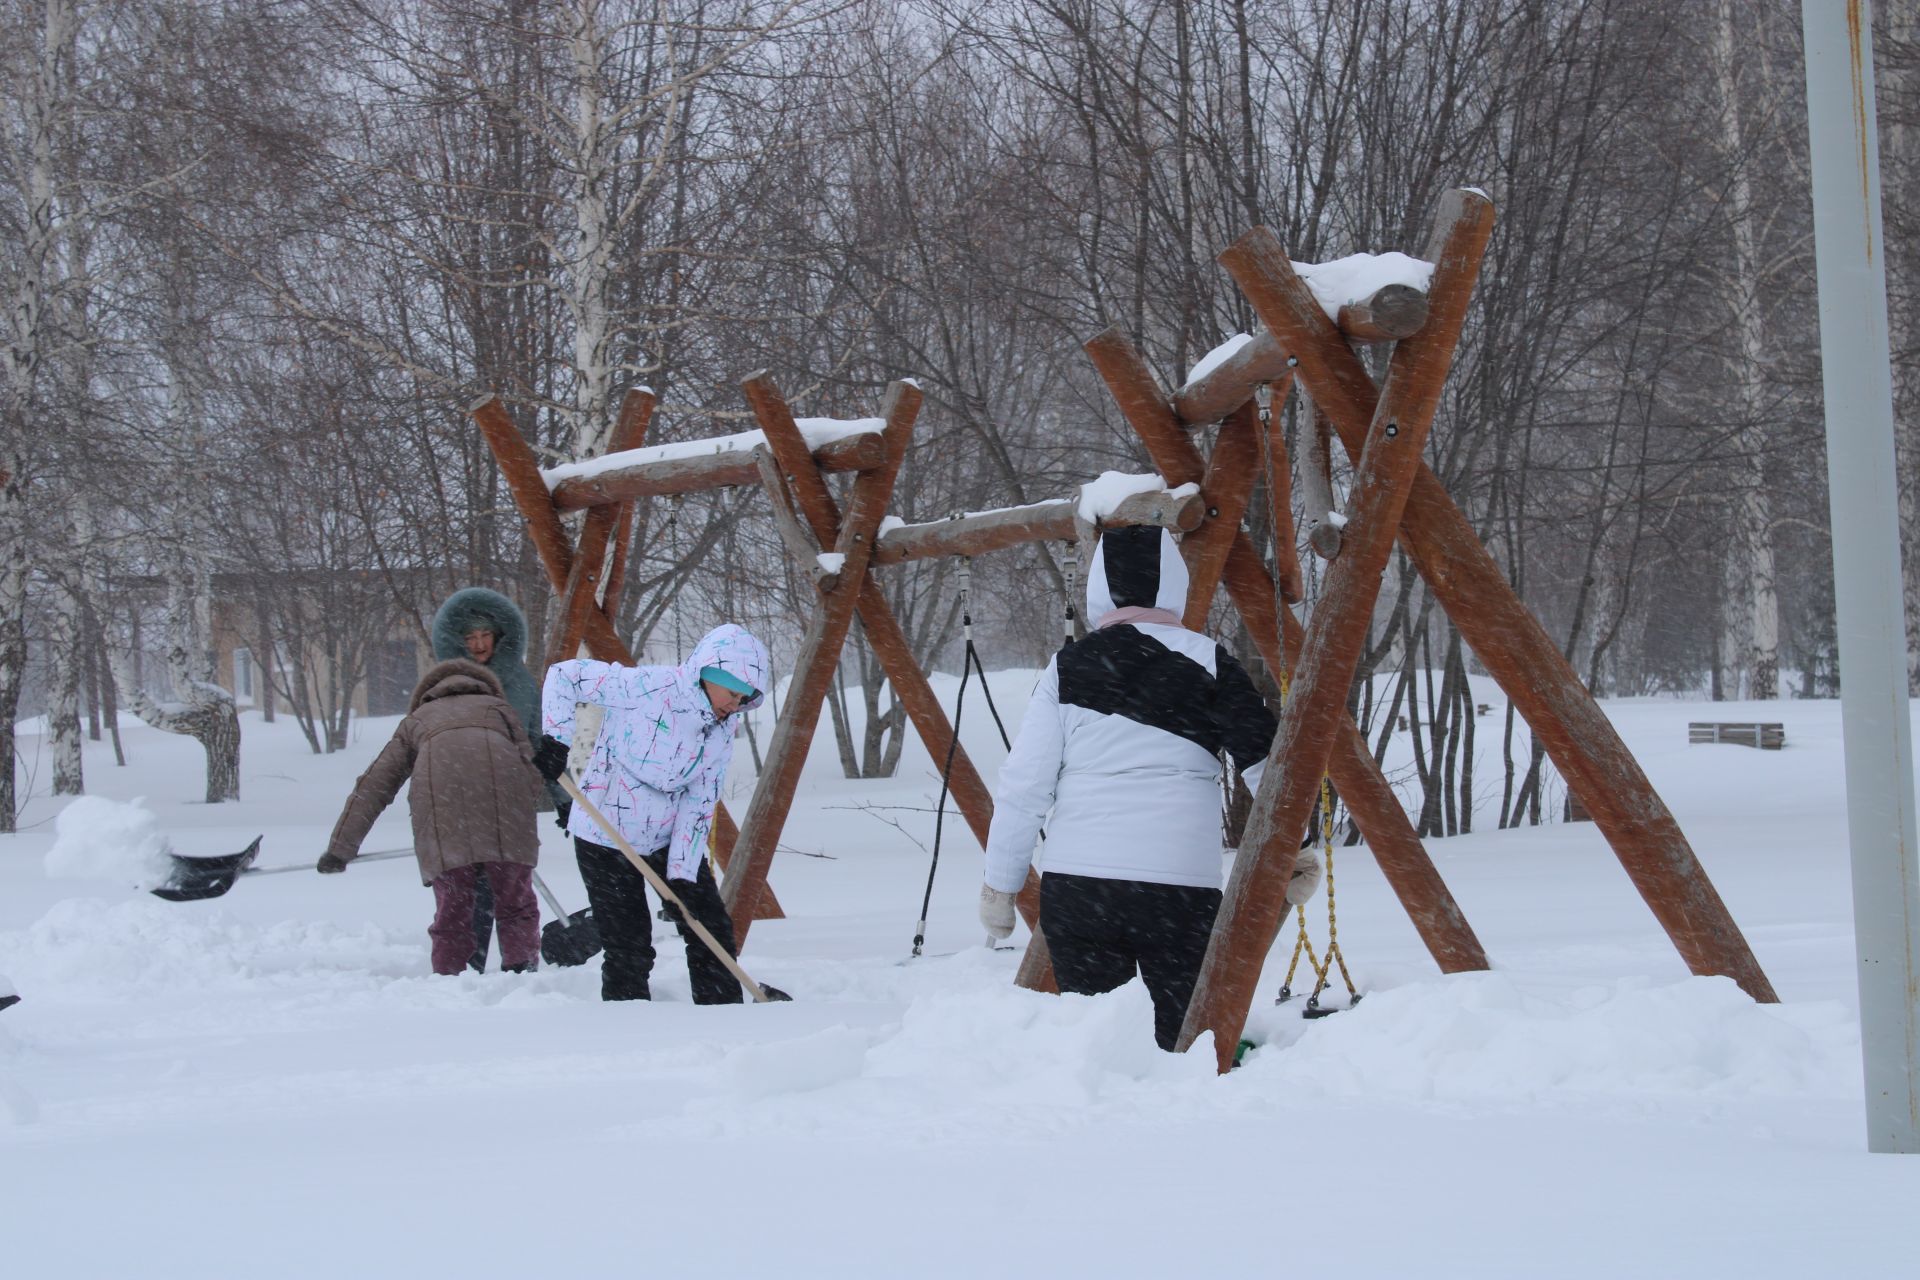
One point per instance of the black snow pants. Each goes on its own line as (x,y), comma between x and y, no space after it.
(618,894)
(482,925)
(1100,931)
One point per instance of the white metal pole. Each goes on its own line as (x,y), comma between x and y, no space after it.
(1858,376)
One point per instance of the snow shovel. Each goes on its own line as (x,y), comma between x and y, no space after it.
(194,879)
(760,994)
(567,939)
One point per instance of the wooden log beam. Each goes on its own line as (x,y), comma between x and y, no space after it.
(530,496)
(522,474)
(805,552)
(1516,649)
(590,559)
(1256,894)
(1229,488)
(819,655)
(1231,383)
(1316,481)
(732,465)
(1393,312)
(884,633)
(1054,521)
(1278,636)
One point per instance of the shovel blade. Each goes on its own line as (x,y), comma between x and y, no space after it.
(569,942)
(194,879)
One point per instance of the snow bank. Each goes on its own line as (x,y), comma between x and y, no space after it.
(1482,1038)
(101,839)
(87,949)
(1005,1064)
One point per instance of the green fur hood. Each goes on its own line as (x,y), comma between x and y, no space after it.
(475,608)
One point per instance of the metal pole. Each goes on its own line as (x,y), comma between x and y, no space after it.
(1858,377)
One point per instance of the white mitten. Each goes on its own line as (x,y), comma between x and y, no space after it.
(996,912)
(1307,873)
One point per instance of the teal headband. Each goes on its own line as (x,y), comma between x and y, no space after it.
(726,680)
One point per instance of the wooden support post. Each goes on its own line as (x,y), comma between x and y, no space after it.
(819,654)
(1286,554)
(1256,894)
(549,539)
(1316,481)
(1505,635)
(891,647)
(590,556)
(805,552)
(1278,636)
(1228,488)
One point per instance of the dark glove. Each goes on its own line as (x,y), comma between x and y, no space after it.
(562,811)
(550,757)
(330,865)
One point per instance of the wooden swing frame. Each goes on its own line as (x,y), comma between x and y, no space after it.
(1393,495)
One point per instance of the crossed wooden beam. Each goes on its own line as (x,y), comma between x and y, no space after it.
(1393,494)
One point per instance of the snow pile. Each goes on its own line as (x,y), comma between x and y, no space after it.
(101,839)
(85,948)
(1099,497)
(1481,1038)
(1004,1063)
(1359,276)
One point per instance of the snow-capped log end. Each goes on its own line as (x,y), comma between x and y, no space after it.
(1369,297)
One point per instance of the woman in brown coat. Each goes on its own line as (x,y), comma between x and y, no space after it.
(473,797)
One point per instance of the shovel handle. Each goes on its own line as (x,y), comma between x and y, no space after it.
(553,903)
(660,887)
(378,855)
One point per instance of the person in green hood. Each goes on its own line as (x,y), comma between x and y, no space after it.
(485,627)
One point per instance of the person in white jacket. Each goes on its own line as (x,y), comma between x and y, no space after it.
(658,762)
(1122,743)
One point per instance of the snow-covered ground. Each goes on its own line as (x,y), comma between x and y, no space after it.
(272,1084)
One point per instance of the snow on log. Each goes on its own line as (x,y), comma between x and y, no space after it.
(1058,520)
(691,466)
(1371,297)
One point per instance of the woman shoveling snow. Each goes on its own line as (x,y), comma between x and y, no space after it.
(473,799)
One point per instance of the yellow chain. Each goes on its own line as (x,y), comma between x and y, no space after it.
(1303,945)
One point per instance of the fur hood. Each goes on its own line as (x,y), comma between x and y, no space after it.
(477,609)
(457,677)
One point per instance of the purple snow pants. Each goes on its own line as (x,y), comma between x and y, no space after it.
(516,915)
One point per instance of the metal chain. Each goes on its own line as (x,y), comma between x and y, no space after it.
(1072,567)
(1303,944)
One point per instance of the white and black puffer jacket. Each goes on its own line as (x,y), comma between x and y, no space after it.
(1122,738)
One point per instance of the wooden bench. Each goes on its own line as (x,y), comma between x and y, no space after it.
(1767,737)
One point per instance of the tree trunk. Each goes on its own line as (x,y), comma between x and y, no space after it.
(65,642)
(1753,631)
